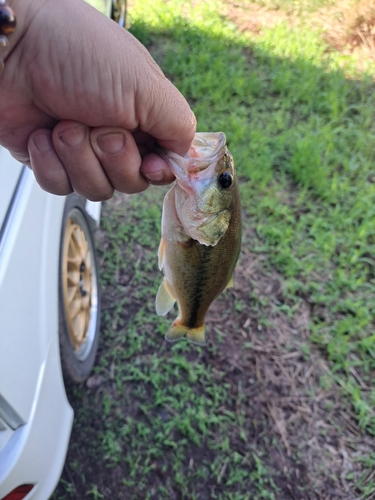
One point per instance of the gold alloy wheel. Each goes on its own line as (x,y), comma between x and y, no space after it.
(79,292)
(77,282)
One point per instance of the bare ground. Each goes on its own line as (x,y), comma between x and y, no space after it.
(277,378)
(347,25)
(281,384)
(284,383)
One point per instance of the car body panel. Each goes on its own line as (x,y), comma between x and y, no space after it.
(8,181)
(47,432)
(94,208)
(35,415)
(26,290)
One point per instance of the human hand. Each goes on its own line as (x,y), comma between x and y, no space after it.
(83,103)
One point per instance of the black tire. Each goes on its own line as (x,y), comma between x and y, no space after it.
(78,291)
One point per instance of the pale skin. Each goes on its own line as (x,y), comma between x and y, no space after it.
(83,104)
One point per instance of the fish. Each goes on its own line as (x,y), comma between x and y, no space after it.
(201,234)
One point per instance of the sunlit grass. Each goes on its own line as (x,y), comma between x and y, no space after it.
(300,124)
(296,123)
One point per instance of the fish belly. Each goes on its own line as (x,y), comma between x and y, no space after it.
(194,274)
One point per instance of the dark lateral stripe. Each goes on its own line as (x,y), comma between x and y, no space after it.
(202,275)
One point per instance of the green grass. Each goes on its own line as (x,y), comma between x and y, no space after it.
(166,410)
(301,129)
(300,124)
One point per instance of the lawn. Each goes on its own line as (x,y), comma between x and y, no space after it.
(280,405)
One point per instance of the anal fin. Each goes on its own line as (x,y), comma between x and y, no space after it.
(230,283)
(164,299)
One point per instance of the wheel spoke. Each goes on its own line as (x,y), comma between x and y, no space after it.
(74,261)
(75,306)
(74,242)
(80,241)
(73,279)
(86,302)
(73,293)
(79,327)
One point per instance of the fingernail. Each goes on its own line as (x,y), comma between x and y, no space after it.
(42,143)
(111,143)
(73,136)
(157,176)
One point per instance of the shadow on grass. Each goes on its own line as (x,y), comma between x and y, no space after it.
(255,414)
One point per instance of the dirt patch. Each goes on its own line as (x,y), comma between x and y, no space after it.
(288,381)
(280,390)
(252,17)
(348,27)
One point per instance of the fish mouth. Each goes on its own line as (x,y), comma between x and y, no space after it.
(206,150)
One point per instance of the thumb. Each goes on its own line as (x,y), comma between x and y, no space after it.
(167,117)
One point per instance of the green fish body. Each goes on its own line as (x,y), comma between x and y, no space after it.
(201,234)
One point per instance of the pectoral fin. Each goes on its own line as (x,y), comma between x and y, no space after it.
(164,299)
(161,253)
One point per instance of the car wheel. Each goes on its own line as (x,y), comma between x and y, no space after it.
(79,295)
(119,10)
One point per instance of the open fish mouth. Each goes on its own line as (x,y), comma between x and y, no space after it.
(206,150)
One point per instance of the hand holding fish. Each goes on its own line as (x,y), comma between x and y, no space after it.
(83,103)
(201,234)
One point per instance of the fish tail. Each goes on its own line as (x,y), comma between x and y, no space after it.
(196,335)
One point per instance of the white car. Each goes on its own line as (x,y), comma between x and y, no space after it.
(49,320)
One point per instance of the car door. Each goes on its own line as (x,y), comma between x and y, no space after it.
(9,177)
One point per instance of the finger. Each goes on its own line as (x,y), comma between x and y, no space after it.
(168,117)
(86,175)
(46,165)
(119,155)
(156,170)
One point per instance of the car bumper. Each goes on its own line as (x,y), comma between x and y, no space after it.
(36,450)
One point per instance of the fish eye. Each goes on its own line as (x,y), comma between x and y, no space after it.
(225,180)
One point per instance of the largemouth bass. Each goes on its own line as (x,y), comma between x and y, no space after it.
(201,234)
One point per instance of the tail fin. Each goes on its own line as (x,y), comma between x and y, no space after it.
(195,335)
